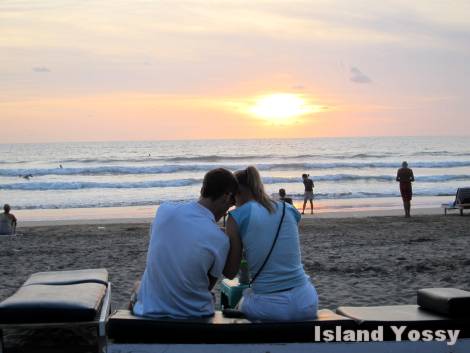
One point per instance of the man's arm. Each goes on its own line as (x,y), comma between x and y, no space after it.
(398,175)
(234,257)
(412,177)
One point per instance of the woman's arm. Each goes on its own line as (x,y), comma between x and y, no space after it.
(234,257)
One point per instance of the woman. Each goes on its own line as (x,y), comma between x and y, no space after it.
(282,290)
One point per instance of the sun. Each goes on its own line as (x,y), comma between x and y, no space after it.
(280,107)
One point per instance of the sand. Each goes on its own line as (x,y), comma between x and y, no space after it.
(352,261)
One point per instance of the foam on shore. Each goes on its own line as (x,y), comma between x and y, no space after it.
(145,214)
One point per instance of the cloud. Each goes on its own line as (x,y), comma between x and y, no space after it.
(41,69)
(358,77)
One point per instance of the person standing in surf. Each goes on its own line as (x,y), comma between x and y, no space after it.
(405,177)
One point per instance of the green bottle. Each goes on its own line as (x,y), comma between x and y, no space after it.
(243,274)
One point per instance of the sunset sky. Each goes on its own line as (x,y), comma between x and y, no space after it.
(150,70)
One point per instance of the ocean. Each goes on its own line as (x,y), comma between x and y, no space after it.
(347,172)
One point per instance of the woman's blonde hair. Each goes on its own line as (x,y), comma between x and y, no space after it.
(251,179)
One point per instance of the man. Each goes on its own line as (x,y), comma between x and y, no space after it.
(187,252)
(7,221)
(308,194)
(405,177)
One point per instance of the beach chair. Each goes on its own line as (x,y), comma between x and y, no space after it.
(462,201)
(437,310)
(59,299)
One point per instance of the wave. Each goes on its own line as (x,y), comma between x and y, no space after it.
(146,159)
(14,162)
(76,185)
(231,158)
(95,204)
(441,153)
(98,185)
(175,168)
(224,158)
(378,178)
(365,194)
(221,158)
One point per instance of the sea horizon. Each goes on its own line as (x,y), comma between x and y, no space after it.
(235,139)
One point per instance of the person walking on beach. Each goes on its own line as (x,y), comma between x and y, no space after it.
(308,194)
(187,253)
(405,177)
(7,221)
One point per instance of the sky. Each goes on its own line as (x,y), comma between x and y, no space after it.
(153,70)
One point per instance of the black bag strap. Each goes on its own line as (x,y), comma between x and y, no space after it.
(272,247)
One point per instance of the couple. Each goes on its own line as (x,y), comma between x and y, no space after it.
(188,252)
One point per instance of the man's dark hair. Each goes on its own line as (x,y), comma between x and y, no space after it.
(6,208)
(282,192)
(218,182)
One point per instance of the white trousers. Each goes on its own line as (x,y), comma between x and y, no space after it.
(296,304)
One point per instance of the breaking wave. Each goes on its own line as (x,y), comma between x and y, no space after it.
(176,168)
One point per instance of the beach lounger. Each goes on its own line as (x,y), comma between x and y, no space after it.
(59,299)
(438,309)
(462,201)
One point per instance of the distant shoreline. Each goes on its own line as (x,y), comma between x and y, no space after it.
(145,214)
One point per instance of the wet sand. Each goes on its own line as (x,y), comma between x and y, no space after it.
(352,261)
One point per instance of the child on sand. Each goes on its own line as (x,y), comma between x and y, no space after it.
(282,196)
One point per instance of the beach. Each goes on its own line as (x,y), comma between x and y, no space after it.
(387,257)
(352,260)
